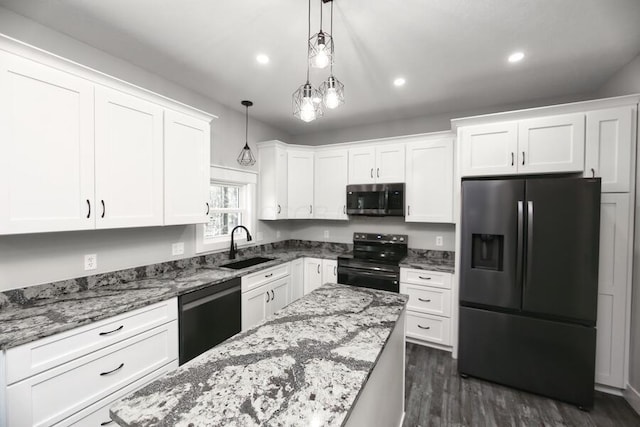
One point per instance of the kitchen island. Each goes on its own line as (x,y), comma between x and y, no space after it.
(334,357)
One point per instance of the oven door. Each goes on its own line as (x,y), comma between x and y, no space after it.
(383,280)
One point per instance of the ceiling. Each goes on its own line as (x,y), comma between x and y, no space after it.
(452,53)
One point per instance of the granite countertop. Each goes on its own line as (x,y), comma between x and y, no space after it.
(303,366)
(36,312)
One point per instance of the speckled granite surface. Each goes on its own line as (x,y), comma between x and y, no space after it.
(302,367)
(423,259)
(39,311)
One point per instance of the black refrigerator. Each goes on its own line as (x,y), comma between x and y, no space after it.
(529,284)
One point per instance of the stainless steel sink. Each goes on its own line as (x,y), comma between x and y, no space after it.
(239,265)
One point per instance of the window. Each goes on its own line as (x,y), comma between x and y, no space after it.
(227,210)
(231,202)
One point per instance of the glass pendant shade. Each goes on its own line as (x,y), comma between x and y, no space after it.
(246,157)
(307,105)
(332,92)
(321,50)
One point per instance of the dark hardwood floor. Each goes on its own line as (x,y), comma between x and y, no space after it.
(435,395)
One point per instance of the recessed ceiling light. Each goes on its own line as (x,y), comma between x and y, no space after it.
(262,58)
(400,81)
(516,57)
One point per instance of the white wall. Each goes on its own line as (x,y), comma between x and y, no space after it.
(421,236)
(625,82)
(39,258)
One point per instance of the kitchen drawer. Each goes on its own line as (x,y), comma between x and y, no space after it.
(37,356)
(53,395)
(429,328)
(98,413)
(424,277)
(259,278)
(426,299)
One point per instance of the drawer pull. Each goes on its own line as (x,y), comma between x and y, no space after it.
(118,368)
(424,327)
(272,295)
(268,297)
(106,423)
(424,278)
(268,275)
(111,332)
(424,300)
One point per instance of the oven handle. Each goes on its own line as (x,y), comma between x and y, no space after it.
(366,273)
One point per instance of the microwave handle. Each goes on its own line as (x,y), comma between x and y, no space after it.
(386,201)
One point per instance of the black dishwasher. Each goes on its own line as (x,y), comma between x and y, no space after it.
(208,317)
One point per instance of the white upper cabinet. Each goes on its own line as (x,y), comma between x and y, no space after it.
(300,184)
(331,174)
(128,138)
(272,161)
(551,144)
(429,186)
(489,149)
(186,169)
(542,145)
(609,147)
(46,149)
(378,163)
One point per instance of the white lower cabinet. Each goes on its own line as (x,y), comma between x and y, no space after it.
(264,293)
(329,271)
(297,279)
(312,274)
(614,277)
(73,375)
(429,309)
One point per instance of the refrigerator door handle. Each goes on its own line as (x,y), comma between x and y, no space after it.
(520,244)
(529,239)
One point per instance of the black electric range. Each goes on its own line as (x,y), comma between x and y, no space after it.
(375,261)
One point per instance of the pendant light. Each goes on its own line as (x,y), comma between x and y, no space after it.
(307,101)
(321,45)
(246,158)
(332,90)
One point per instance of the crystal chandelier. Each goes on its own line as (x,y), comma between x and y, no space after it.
(246,158)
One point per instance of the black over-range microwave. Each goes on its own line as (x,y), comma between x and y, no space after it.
(376,199)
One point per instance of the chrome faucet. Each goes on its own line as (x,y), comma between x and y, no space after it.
(234,247)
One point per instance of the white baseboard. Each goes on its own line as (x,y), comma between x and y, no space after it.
(608,389)
(428,344)
(633,397)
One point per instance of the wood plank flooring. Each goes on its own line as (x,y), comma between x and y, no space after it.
(435,395)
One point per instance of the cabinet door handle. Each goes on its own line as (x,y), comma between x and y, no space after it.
(111,332)
(318,268)
(89,206)
(424,278)
(593,175)
(112,371)
(279,209)
(310,209)
(273,297)
(523,158)
(512,159)
(344,209)
(268,275)
(207,208)
(378,172)
(335,270)
(424,300)
(371,172)
(106,423)
(424,327)
(104,210)
(409,210)
(268,297)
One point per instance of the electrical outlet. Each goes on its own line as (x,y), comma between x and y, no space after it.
(259,236)
(277,234)
(90,261)
(177,248)
(439,241)
(326,234)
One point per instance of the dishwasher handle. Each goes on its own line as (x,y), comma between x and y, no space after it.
(212,297)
